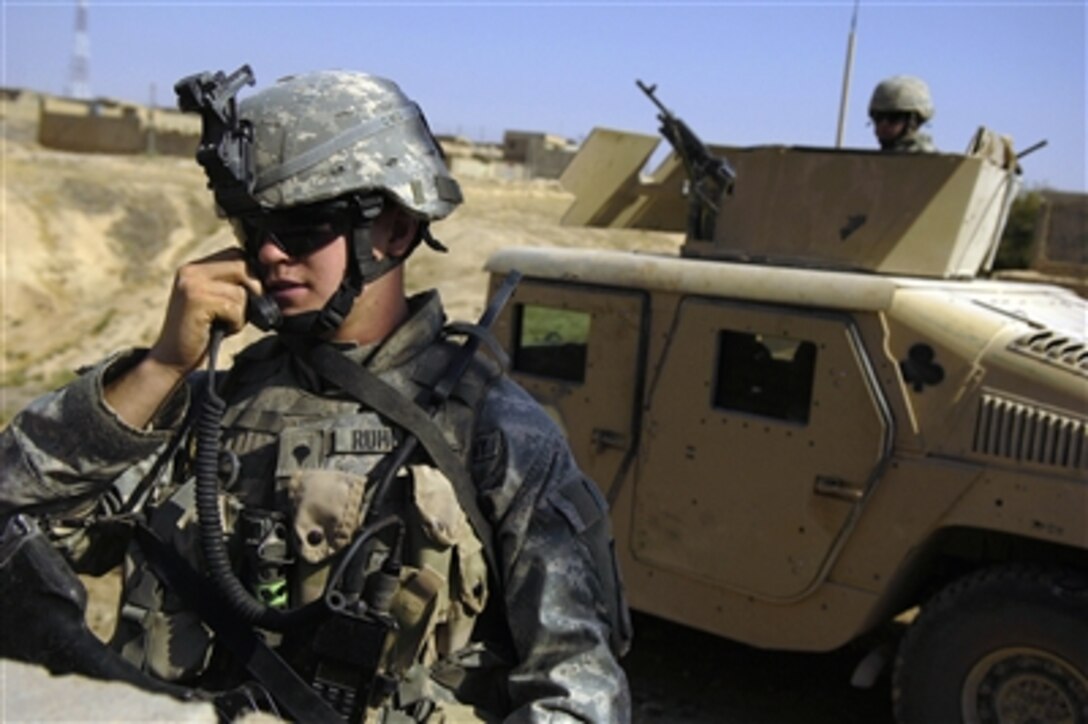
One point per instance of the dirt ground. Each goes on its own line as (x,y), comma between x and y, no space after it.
(90,243)
(682,676)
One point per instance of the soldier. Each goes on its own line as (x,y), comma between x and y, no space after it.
(900,106)
(470,574)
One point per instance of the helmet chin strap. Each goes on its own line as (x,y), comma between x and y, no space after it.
(363,268)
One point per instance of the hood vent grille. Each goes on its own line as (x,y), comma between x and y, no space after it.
(1056,349)
(1016,431)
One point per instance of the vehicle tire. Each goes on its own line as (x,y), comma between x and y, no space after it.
(1006,644)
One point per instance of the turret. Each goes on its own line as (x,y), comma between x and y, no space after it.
(931,215)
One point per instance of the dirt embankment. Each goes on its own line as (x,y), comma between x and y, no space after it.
(91,243)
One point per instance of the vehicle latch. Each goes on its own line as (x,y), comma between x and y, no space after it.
(602,439)
(837,488)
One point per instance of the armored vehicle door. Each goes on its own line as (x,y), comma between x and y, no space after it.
(763,433)
(576,349)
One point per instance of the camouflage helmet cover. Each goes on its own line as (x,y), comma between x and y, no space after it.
(902,93)
(321,135)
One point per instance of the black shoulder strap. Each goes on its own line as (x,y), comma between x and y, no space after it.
(368,388)
(365,386)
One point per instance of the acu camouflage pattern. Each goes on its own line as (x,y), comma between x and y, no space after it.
(559,595)
(320,135)
(916,142)
(902,93)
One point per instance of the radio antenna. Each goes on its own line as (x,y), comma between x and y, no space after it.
(846,75)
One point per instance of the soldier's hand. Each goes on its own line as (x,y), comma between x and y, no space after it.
(208,291)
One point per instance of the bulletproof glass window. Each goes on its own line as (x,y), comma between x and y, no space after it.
(764,375)
(551,342)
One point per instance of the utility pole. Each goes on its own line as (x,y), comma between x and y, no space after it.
(79,78)
(152,148)
(846,76)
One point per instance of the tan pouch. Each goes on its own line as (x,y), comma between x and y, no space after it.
(327,507)
(444,522)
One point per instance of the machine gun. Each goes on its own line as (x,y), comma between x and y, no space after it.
(225,140)
(709,177)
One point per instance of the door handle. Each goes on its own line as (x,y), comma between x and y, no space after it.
(602,439)
(837,488)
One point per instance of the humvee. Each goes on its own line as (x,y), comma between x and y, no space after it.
(820,416)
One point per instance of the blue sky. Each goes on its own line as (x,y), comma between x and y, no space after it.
(741,73)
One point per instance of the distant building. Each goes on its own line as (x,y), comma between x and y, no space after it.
(1061,238)
(462,147)
(103,125)
(1060,243)
(545,155)
(521,156)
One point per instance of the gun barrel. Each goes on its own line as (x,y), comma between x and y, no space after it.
(649,90)
(1032,148)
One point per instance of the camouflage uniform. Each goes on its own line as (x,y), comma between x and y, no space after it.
(917,142)
(536,499)
(543,631)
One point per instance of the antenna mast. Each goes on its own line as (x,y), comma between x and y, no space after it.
(79,80)
(846,75)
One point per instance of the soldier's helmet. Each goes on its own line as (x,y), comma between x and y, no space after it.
(902,94)
(320,135)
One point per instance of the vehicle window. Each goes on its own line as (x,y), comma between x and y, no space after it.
(551,342)
(764,375)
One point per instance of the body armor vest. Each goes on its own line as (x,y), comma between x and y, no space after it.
(297,471)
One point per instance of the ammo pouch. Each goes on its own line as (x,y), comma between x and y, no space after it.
(43,603)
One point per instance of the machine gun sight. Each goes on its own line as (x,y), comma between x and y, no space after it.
(225,140)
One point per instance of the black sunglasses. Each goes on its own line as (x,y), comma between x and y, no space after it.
(889,117)
(297,232)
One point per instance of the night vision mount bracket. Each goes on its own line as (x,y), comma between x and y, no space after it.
(225,149)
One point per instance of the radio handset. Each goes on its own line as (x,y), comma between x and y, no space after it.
(263,312)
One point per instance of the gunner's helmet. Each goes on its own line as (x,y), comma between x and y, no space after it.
(902,94)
